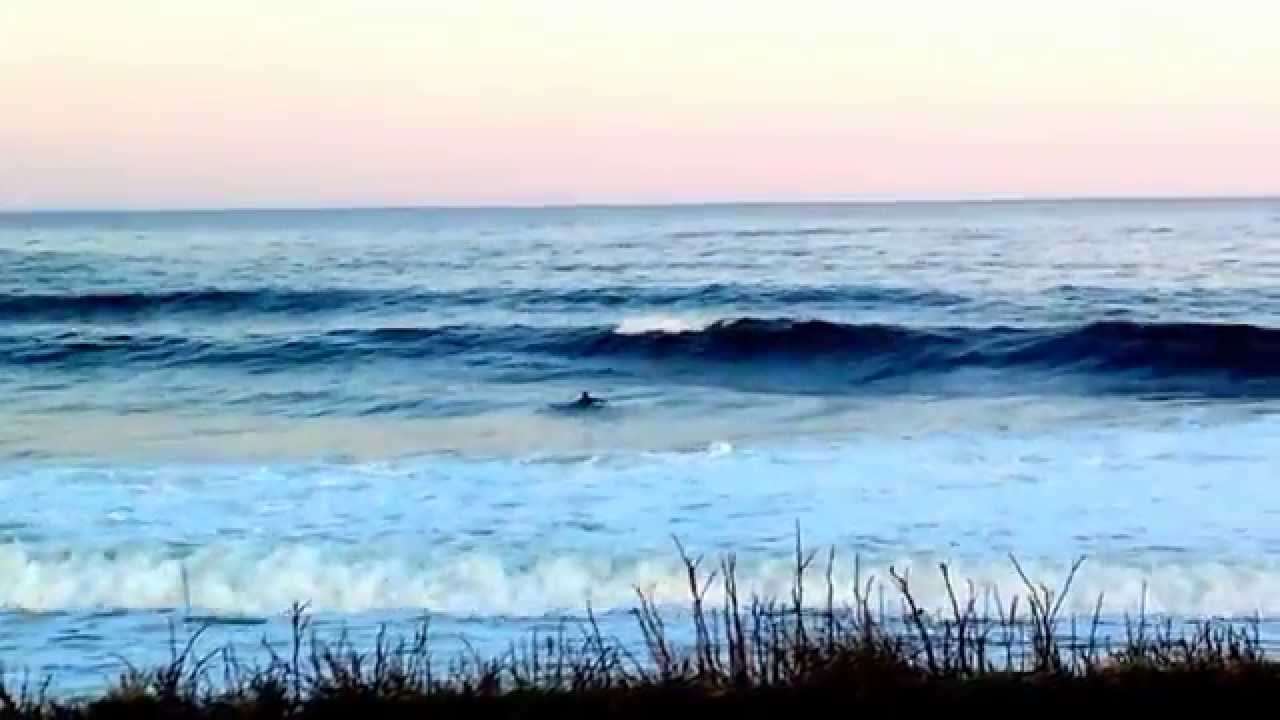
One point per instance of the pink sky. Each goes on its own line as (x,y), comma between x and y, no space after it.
(155,103)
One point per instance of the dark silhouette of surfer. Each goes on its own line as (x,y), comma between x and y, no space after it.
(586,401)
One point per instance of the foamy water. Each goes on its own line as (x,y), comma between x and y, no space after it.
(521,538)
(643,324)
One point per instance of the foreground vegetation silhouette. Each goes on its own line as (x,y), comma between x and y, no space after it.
(746,657)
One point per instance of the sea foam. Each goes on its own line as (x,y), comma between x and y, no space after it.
(236,580)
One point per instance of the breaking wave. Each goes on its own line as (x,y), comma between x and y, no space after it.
(1206,353)
(239,580)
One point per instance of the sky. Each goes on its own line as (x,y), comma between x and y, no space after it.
(300,103)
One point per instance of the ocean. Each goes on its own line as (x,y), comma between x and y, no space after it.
(218,414)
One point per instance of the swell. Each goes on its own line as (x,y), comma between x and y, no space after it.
(785,232)
(840,352)
(244,303)
(132,306)
(1220,351)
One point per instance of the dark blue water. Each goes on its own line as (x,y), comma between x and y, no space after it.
(423,313)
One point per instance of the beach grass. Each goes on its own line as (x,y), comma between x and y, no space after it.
(739,657)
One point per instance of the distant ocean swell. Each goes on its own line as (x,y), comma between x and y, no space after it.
(1215,352)
(108,305)
(130,305)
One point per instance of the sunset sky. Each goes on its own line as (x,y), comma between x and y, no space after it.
(234,103)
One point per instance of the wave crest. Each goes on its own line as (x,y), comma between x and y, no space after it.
(1208,357)
(240,580)
(644,324)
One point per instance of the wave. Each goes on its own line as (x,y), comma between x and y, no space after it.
(130,305)
(134,306)
(808,231)
(844,353)
(241,580)
(646,324)
(701,300)
(1236,350)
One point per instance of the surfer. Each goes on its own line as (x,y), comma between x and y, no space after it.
(585,400)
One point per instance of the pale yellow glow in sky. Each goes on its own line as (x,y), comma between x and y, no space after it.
(174,103)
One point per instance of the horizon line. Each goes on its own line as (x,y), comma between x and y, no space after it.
(981,200)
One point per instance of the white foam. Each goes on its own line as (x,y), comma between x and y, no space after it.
(669,324)
(719,449)
(231,579)
(496,537)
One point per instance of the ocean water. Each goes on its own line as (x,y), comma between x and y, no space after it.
(219,414)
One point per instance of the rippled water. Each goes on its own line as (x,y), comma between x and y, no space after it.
(223,413)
